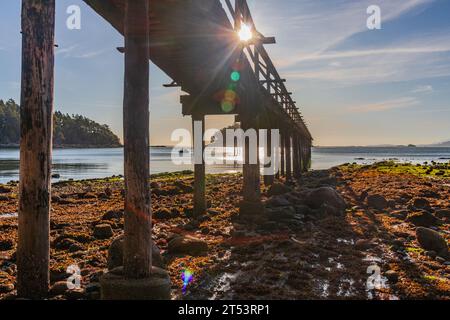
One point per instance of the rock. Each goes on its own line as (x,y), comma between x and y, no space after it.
(113,214)
(6,244)
(362,197)
(4,189)
(391,275)
(6,287)
(442,214)
(103,231)
(56,176)
(400,214)
(277,201)
(441,260)
(281,213)
(432,241)
(162,214)
(115,254)
(377,201)
(421,203)
(277,189)
(363,244)
(75,294)
(248,208)
(305,210)
(316,198)
(108,192)
(187,245)
(87,195)
(58,288)
(423,219)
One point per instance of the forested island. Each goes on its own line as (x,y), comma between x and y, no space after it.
(69,130)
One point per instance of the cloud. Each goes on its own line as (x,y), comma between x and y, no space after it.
(313,46)
(423,89)
(404,102)
(74,52)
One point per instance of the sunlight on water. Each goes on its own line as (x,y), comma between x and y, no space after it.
(99,163)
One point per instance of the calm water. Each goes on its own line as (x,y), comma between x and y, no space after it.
(98,163)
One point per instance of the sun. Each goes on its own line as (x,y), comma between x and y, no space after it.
(245,34)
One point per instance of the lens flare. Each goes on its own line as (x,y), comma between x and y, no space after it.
(235,76)
(245,34)
(187,276)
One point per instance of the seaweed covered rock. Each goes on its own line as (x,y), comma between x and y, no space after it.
(432,241)
(325,196)
(115,254)
(187,245)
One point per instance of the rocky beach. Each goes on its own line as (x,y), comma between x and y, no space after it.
(326,235)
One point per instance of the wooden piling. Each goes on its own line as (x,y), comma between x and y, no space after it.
(288,156)
(137,244)
(251,174)
(199,166)
(282,154)
(296,156)
(269,176)
(38,30)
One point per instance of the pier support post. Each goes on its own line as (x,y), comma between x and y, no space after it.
(251,204)
(38,30)
(137,250)
(269,176)
(138,279)
(282,153)
(288,156)
(198,129)
(296,156)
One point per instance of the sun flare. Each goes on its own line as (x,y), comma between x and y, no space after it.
(245,34)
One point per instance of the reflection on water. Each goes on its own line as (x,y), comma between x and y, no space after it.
(98,163)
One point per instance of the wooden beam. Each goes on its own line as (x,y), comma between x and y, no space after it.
(38,32)
(137,244)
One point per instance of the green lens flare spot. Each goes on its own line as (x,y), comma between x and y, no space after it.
(235,76)
(227,106)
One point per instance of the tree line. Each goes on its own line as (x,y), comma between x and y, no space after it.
(68,130)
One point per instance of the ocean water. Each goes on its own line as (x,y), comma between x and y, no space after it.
(98,163)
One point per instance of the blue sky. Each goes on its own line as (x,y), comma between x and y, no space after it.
(355,86)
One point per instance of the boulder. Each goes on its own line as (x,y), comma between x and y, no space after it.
(377,201)
(162,214)
(281,213)
(442,214)
(187,245)
(58,288)
(4,189)
(113,214)
(277,201)
(103,231)
(423,219)
(316,198)
(421,203)
(277,189)
(432,241)
(115,254)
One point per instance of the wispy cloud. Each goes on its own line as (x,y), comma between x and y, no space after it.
(423,89)
(404,102)
(74,51)
(321,50)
